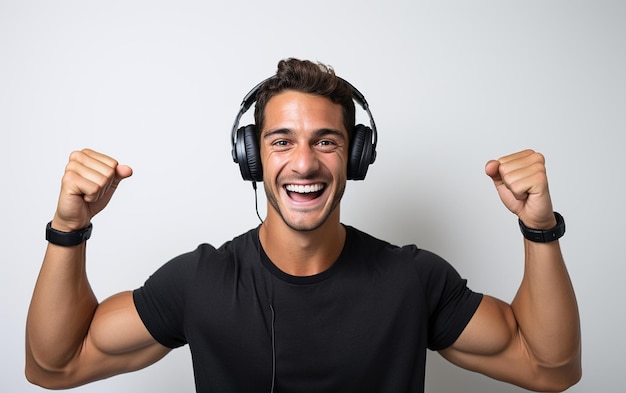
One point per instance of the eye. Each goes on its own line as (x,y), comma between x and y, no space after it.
(280,144)
(327,145)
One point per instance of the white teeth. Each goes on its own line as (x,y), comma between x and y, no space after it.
(300,189)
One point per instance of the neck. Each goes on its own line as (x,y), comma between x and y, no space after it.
(302,253)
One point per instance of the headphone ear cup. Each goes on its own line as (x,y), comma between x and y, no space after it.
(247,154)
(361,152)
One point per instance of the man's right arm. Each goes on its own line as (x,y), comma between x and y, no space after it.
(69,342)
(71,339)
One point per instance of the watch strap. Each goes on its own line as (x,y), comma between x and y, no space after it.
(544,236)
(68,239)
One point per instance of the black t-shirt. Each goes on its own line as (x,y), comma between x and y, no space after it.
(363,325)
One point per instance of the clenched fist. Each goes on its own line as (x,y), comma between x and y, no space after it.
(522,184)
(89,181)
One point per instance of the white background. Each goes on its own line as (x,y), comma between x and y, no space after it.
(451,84)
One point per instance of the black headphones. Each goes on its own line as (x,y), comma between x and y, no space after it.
(245,147)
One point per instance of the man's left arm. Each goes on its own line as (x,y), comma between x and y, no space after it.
(535,341)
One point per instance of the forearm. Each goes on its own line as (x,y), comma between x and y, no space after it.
(61,308)
(545,306)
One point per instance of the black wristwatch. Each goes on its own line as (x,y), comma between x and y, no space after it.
(541,236)
(67,239)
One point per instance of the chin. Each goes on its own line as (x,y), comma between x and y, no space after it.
(305,225)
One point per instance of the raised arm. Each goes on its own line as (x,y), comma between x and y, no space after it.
(534,342)
(70,338)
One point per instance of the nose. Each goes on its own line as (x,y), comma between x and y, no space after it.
(304,160)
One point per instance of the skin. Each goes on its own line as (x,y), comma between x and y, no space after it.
(71,339)
(303,142)
(535,341)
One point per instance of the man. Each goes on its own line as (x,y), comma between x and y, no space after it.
(304,303)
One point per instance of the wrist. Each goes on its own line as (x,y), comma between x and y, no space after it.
(544,235)
(67,238)
(60,223)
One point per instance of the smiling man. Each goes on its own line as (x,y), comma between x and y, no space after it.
(304,152)
(304,303)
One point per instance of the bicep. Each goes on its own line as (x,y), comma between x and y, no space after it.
(116,328)
(117,342)
(491,330)
(119,339)
(492,345)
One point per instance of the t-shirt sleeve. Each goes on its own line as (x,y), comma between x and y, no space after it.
(161,301)
(451,303)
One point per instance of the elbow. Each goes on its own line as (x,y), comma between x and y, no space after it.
(45,377)
(575,378)
(562,378)
(46,380)
(35,379)
(572,377)
(31,377)
(33,371)
(37,376)
(566,383)
(561,371)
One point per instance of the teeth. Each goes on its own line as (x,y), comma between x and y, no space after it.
(304,189)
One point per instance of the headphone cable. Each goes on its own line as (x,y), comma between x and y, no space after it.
(273,332)
(256,202)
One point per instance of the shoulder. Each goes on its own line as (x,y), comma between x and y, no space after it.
(206,257)
(377,249)
(409,263)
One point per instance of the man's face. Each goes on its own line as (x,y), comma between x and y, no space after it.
(304,153)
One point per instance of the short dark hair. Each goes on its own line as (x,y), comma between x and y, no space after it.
(306,77)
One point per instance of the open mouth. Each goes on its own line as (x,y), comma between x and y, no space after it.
(304,193)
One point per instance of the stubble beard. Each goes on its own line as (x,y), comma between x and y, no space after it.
(273,201)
